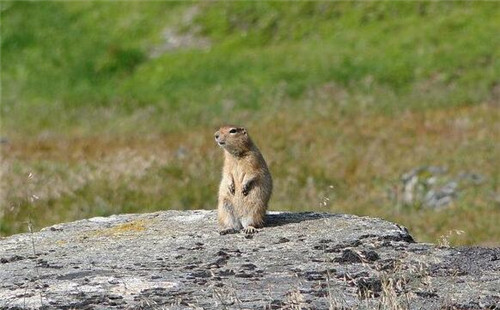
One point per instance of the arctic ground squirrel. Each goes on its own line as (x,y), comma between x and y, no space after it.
(246,184)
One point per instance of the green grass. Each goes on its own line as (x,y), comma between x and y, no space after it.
(349,95)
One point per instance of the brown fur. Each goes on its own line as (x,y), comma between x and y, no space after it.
(246,184)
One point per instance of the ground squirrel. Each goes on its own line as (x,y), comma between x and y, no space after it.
(246,184)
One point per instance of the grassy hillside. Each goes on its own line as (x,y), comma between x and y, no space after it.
(342,98)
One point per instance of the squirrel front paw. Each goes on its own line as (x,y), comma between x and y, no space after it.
(246,188)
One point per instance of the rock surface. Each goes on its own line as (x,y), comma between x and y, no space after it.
(177,260)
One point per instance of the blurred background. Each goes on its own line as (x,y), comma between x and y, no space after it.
(384,109)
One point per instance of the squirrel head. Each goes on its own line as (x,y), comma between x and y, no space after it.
(233,139)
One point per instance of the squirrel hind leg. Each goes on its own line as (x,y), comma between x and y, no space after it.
(228,231)
(250,230)
(251,223)
(228,220)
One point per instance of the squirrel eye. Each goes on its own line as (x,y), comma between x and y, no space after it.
(233,130)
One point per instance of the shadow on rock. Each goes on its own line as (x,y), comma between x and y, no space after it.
(284,218)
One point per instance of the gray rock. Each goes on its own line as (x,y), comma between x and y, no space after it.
(432,187)
(177,260)
(441,197)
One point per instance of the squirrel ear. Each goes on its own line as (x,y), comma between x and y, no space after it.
(243,130)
